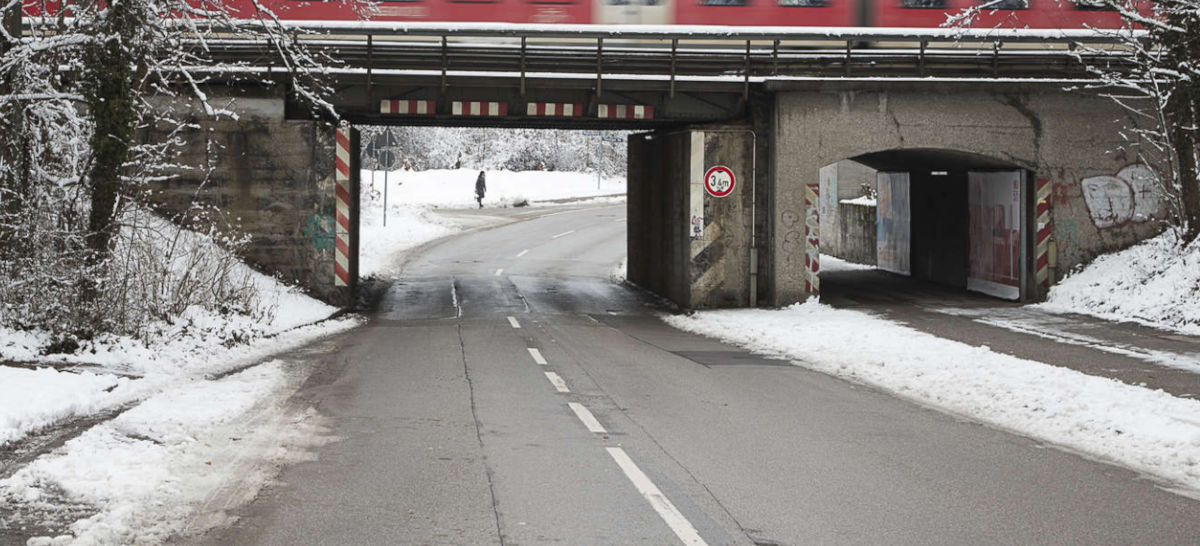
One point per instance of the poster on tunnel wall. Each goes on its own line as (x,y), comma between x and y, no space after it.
(892,223)
(994,239)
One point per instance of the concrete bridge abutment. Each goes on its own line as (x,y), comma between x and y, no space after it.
(693,243)
(273,179)
(1067,144)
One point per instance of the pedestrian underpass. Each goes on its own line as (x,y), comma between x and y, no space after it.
(942,218)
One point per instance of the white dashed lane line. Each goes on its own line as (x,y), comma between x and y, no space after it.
(499,271)
(523,252)
(559,384)
(586,416)
(563,234)
(537,356)
(513,321)
(667,511)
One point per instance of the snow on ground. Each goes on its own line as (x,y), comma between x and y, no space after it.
(175,453)
(414,196)
(620,272)
(1149,431)
(456,188)
(1156,282)
(831,264)
(1064,329)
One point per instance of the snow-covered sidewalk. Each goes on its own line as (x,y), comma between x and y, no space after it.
(1149,431)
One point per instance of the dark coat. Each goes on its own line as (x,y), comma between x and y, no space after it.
(481,185)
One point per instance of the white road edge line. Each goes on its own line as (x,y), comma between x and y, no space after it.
(499,271)
(514,323)
(537,356)
(588,419)
(667,511)
(557,381)
(563,234)
(522,253)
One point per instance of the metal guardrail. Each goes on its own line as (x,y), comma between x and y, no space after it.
(719,54)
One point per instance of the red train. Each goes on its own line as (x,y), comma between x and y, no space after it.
(810,13)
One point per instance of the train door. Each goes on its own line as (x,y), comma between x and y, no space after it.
(635,12)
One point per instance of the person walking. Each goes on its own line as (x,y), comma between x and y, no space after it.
(480,188)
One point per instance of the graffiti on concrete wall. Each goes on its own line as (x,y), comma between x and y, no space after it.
(318,231)
(1130,195)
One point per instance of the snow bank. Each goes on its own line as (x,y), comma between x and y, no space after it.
(167,457)
(408,225)
(1156,282)
(1148,431)
(456,188)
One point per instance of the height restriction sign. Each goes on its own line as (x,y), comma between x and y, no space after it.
(719,181)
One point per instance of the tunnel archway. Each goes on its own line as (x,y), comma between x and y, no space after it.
(946,218)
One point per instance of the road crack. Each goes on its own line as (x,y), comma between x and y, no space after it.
(462,346)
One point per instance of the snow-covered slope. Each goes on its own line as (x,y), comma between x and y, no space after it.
(456,188)
(1156,282)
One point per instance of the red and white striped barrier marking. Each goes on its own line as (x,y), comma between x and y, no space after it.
(553,109)
(625,111)
(341,254)
(812,240)
(420,107)
(1041,270)
(475,108)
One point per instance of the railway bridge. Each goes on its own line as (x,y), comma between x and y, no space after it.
(998,167)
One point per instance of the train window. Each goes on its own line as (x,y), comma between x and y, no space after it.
(724,2)
(804,3)
(1095,5)
(1004,4)
(923,4)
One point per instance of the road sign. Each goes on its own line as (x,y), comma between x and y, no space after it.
(719,181)
(591,133)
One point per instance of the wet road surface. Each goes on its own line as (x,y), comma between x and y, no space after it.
(507,392)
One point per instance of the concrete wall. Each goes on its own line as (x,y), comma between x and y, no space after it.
(841,180)
(856,225)
(685,244)
(1069,138)
(271,178)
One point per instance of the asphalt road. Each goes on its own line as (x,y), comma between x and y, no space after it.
(454,432)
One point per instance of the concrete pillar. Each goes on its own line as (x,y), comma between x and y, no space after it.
(686,243)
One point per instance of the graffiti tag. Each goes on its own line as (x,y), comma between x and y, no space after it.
(1131,195)
(318,231)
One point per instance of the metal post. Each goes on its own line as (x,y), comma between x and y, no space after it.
(370,63)
(522,66)
(385,184)
(746,85)
(599,158)
(921,60)
(674,45)
(846,67)
(599,66)
(445,54)
(775,59)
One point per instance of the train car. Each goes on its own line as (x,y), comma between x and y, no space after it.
(1038,14)
(1000,13)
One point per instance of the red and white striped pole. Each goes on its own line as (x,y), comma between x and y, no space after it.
(1041,269)
(812,239)
(341,257)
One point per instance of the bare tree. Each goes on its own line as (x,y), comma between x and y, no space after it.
(76,88)
(1160,87)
